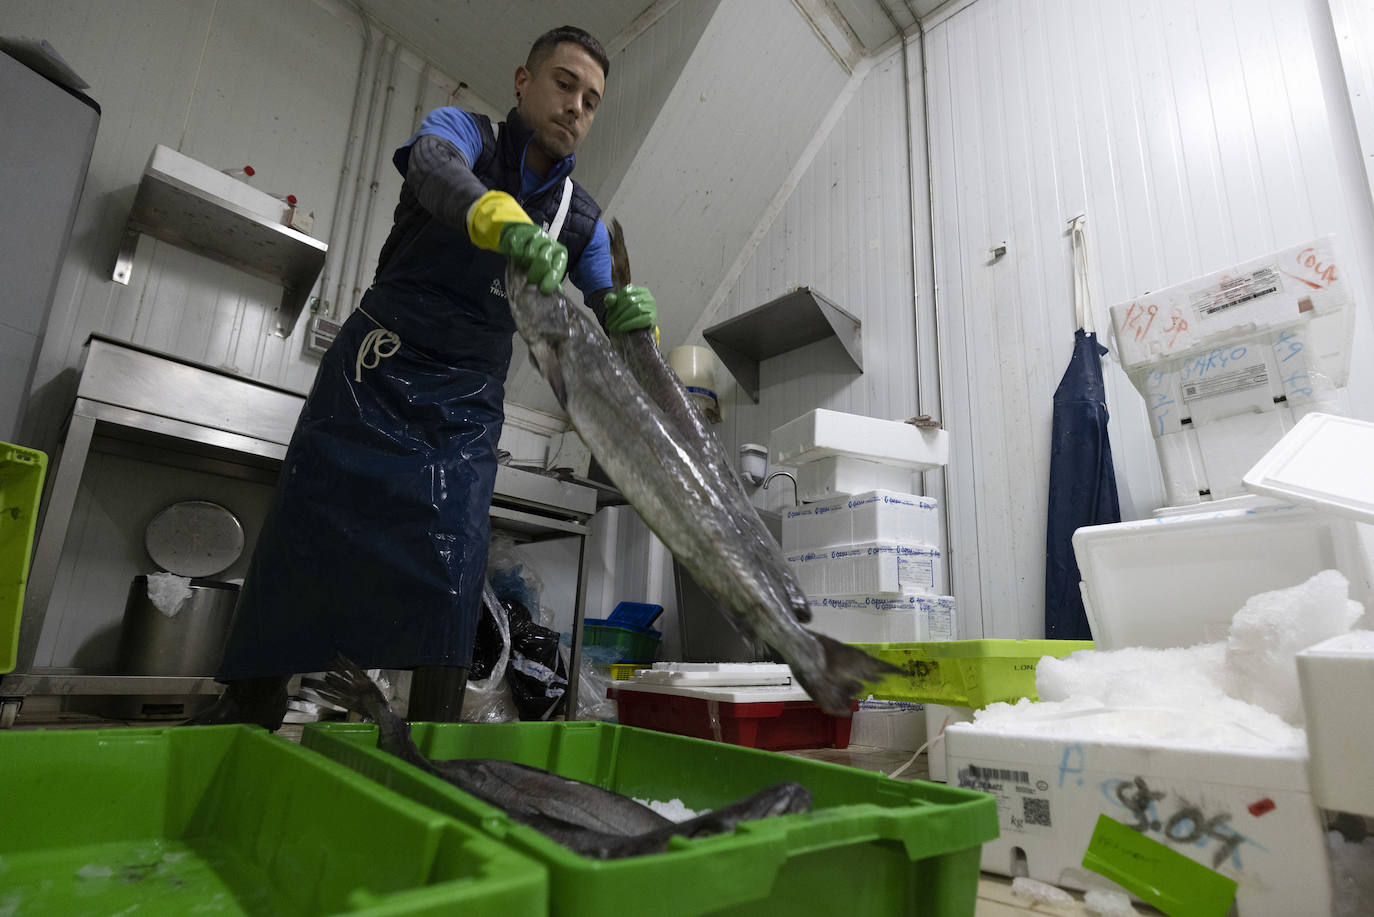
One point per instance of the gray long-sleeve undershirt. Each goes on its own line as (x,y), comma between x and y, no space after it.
(442,180)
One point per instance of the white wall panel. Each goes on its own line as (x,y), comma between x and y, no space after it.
(261,83)
(1353,21)
(845,230)
(1194,135)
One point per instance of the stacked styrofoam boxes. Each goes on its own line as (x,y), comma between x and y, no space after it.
(869,566)
(1169,583)
(864,548)
(1230,361)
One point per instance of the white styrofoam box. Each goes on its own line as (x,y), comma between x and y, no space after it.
(1324,462)
(1337,679)
(822,433)
(872,568)
(884,619)
(939,717)
(1244,501)
(875,515)
(1209,459)
(897,725)
(714,673)
(1178,580)
(1272,291)
(1248,815)
(169,164)
(731,694)
(842,475)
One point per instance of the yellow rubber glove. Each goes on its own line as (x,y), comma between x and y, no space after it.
(491,213)
(496,222)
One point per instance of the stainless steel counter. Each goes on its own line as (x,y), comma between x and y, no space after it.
(144,404)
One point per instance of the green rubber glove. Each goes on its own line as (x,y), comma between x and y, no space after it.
(629,309)
(531,249)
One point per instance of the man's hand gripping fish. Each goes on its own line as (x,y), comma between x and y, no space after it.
(676,477)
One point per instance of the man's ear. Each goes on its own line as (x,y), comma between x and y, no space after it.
(522,77)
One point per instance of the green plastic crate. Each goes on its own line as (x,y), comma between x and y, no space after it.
(231,820)
(871,846)
(965,673)
(21,488)
(630,646)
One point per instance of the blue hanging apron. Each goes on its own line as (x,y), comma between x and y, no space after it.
(1082,479)
(376,544)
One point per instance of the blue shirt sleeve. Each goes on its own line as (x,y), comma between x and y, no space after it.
(454,125)
(593,270)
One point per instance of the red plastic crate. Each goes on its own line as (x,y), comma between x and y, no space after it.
(769,725)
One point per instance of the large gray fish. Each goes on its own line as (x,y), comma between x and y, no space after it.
(581,816)
(677,494)
(647,363)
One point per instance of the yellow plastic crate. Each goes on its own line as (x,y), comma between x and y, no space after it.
(21,488)
(965,673)
(624,671)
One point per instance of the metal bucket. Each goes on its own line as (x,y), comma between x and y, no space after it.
(187,642)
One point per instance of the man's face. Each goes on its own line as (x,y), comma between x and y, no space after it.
(558,100)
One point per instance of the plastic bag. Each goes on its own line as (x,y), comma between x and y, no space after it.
(592,682)
(514,580)
(538,674)
(488,700)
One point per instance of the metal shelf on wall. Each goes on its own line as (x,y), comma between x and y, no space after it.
(799,317)
(192,206)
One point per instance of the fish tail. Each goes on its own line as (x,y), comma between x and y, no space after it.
(834,681)
(348,686)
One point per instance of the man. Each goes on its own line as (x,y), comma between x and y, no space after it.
(376,545)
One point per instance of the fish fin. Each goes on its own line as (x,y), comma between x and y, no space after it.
(348,686)
(842,676)
(620,256)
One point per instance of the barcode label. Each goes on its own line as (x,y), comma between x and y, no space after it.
(1235,291)
(1036,811)
(997,773)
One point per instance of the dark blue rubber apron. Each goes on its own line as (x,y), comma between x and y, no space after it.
(376,544)
(1082,479)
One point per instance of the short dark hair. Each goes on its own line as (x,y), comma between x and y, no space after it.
(543,46)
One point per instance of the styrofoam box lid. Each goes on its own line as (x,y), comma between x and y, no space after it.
(1244,501)
(820,433)
(746,694)
(1324,461)
(714,673)
(1178,580)
(1358,644)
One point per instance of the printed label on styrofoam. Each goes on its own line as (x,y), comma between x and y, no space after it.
(867,569)
(1234,291)
(1262,293)
(1231,377)
(1024,795)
